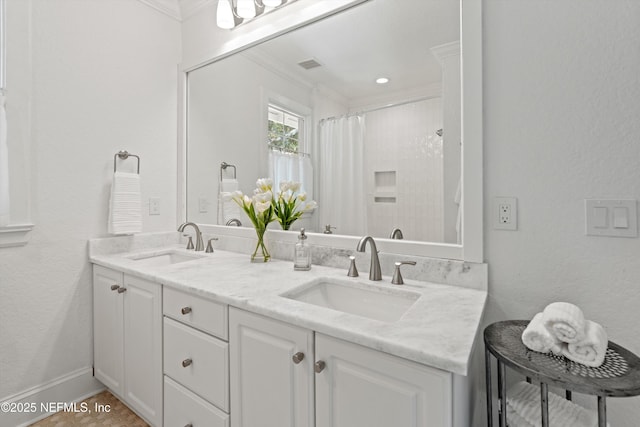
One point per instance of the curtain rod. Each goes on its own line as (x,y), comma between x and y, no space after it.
(396,104)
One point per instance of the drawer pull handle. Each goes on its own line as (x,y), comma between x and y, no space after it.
(185,310)
(298,357)
(319,366)
(122,290)
(186,362)
(189,425)
(115,287)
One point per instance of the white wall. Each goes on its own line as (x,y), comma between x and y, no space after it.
(561,105)
(228,122)
(104,79)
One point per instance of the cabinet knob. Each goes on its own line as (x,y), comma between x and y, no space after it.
(122,290)
(114,287)
(298,357)
(319,366)
(186,362)
(185,310)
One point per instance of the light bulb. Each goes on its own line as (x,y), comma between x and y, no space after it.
(246,9)
(272,3)
(224,17)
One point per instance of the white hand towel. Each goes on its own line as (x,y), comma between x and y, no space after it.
(228,185)
(524,400)
(565,321)
(538,338)
(514,419)
(228,208)
(125,216)
(591,349)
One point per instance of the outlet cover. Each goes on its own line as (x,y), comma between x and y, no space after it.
(505,213)
(154,206)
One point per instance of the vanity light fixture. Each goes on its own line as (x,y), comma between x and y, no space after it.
(224,15)
(231,13)
(382,80)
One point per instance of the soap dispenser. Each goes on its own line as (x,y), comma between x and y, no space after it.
(302,253)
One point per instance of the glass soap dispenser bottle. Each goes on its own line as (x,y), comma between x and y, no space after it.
(302,254)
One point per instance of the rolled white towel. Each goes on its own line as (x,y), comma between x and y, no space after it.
(565,321)
(524,400)
(591,349)
(514,419)
(538,338)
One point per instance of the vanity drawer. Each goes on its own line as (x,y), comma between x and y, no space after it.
(182,407)
(201,313)
(198,361)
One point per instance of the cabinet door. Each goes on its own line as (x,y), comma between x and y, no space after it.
(108,328)
(361,387)
(143,348)
(267,387)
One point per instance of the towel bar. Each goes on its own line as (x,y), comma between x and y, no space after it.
(224,166)
(124,154)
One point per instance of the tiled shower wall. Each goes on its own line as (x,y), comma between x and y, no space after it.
(404,167)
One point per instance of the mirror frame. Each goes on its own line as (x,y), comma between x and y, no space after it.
(471,249)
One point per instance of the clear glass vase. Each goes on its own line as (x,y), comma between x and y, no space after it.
(261,254)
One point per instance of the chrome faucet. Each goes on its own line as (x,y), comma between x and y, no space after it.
(396,233)
(199,242)
(374,269)
(234,221)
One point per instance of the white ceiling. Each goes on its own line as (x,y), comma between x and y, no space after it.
(390,38)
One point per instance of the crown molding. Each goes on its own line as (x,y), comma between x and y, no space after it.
(446,50)
(188,8)
(170,8)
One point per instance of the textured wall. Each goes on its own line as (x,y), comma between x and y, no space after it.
(562,102)
(104,78)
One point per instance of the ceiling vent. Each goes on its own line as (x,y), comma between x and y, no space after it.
(309,64)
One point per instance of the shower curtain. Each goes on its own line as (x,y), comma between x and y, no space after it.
(342,197)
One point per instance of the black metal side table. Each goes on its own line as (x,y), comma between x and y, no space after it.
(618,376)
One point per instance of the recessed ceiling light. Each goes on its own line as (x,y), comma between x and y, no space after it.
(382,80)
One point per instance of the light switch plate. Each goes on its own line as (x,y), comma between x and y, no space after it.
(611,217)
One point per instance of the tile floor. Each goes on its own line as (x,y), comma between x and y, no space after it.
(118,415)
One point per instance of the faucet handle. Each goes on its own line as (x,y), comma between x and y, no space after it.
(190,243)
(397,277)
(353,271)
(209,249)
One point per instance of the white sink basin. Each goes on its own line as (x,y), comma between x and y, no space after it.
(373,302)
(164,258)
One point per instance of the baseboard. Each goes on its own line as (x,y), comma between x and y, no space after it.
(72,387)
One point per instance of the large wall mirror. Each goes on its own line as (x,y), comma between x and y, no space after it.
(376,156)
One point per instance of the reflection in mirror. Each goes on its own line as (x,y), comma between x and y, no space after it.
(305,106)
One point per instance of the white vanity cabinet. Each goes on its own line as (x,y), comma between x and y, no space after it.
(196,361)
(127,324)
(272,381)
(361,387)
(271,372)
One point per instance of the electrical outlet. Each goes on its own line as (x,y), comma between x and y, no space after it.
(154,206)
(505,213)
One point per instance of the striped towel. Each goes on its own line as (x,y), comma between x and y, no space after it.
(125,216)
(523,409)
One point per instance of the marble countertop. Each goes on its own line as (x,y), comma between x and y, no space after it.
(438,330)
